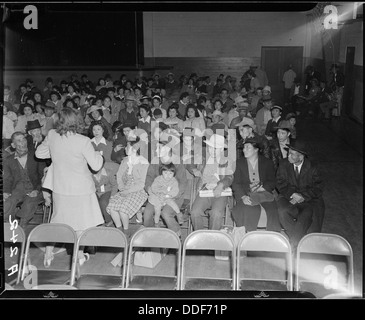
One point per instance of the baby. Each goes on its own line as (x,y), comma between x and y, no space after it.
(163,191)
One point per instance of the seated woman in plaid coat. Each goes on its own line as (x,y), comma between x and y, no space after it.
(131,177)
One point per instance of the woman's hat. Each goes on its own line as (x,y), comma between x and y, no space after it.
(156,96)
(298,146)
(93,108)
(34,124)
(216,141)
(145,97)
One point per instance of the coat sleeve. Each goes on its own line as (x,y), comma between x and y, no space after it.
(313,190)
(237,184)
(227,178)
(150,176)
(285,188)
(8,177)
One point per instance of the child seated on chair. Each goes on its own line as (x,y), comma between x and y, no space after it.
(163,191)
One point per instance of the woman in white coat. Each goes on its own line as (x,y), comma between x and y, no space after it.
(74,198)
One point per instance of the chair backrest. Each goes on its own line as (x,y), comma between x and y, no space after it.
(269,241)
(52,233)
(266,241)
(208,240)
(16,235)
(154,238)
(325,244)
(103,237)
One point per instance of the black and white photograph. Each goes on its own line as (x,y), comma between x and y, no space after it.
(182,150)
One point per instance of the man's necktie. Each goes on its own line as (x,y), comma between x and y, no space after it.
(296,172)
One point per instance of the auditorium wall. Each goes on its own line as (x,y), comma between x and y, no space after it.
(211,43)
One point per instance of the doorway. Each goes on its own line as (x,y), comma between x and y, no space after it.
(275,61)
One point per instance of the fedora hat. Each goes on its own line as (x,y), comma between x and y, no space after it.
(218,113)
(290,115)
(267,98)
(267,88)
(216,141)
(247,122)
(93,108)
(284,124)
(130,98)
(34,124)
(239,99)
(298,146)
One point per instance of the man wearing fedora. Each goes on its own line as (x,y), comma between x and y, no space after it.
(131,112)
(278,145)
(215,173)
(253,186)
(241,109)
(300,186)
(246,129)
(22,181)
(34,137)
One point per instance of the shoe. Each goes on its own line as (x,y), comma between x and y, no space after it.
(48,260)
(180,218)
(84,259)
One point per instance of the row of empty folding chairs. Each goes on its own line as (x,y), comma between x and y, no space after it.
(262,260)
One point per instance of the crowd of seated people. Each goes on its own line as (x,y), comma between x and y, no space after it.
(163,130)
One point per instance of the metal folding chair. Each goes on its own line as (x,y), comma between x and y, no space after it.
(14,236)
(102,275)
(324,265)
(273,254)
(50,233)
(158,278)
(196,248)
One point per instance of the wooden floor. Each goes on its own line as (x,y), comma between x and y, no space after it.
(341,164)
